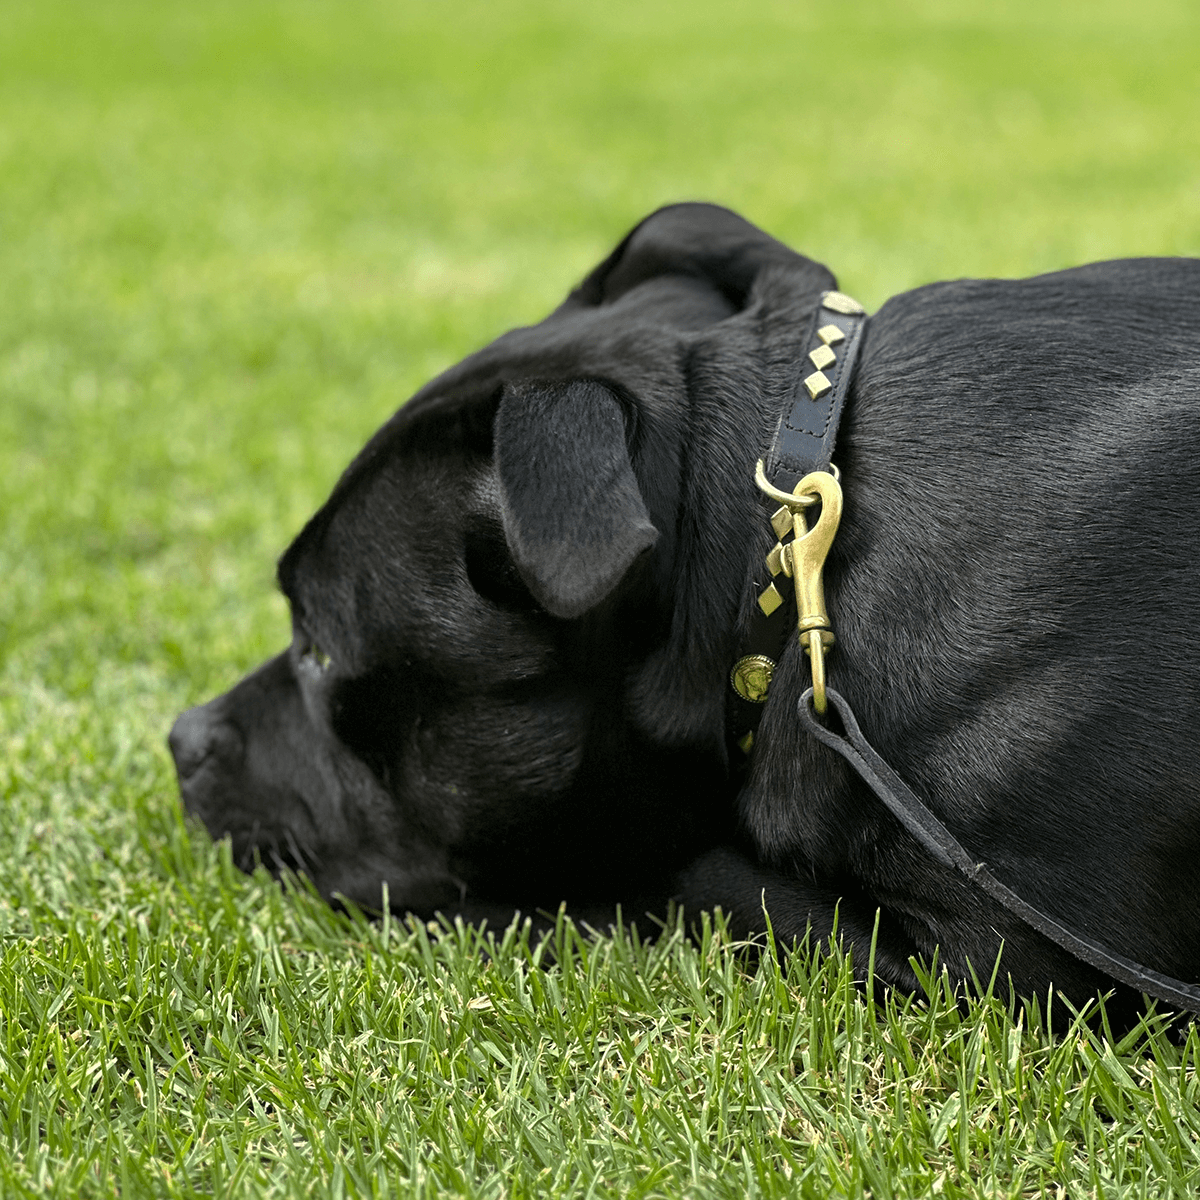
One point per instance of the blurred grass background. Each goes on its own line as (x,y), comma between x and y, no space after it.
(234,236)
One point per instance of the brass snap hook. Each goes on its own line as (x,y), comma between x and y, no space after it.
(804,559)
(808,553)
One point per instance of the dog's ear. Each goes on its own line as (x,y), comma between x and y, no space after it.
(706,242)
(572,511)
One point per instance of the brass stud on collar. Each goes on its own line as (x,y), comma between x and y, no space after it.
(751,677)
(769,599)
(818,384)
(822,357)
(781,521)
(831,335)
(839,302)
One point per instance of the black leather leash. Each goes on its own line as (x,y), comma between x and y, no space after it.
(911,812)
(803,444)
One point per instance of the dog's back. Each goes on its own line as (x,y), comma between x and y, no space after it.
(1017,600)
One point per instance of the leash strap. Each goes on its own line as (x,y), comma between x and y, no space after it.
(803,443)
(912,813)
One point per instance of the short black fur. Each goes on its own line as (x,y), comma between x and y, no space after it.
(533,580)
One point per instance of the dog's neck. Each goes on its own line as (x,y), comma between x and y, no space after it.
(742,387)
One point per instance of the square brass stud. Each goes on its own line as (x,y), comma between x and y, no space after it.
(775,559)
(818,384)
(822,357)
(831,335)
(781,521)
(839,302)
(770,600)
(746,744)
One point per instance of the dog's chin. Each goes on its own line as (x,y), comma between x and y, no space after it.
(375,887)
(366,881)
(278,851)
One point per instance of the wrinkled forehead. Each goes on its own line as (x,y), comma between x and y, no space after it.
(423,449)
(384,552)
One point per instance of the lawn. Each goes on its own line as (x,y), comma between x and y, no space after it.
(234,236)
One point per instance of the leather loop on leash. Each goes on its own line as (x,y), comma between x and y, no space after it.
(911,812)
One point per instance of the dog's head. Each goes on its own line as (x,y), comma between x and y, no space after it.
(513,617)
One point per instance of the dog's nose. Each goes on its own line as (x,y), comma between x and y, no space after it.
(196,735)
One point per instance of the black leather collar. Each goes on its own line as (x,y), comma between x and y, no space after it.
(803,442)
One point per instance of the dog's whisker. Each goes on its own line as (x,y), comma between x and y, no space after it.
(297,853)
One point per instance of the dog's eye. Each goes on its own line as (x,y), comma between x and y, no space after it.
(491,571)
(315,656)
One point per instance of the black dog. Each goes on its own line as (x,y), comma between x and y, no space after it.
(515,617)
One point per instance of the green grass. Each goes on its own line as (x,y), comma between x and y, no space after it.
(233,237)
